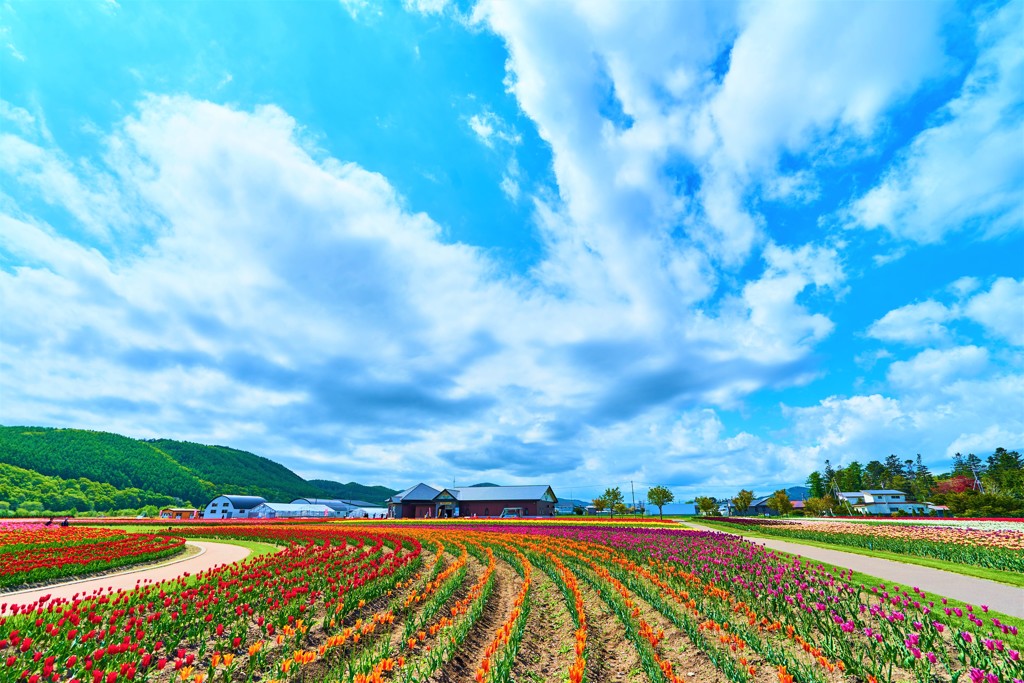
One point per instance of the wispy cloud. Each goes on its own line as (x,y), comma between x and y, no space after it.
(966,172)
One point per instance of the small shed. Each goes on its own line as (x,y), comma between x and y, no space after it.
(179,513)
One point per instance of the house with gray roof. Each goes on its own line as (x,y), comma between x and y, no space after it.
(473,501)
(415,501)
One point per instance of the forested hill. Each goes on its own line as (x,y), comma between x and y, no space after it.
(353,491)
(27,493)
(190,472)
(228,468)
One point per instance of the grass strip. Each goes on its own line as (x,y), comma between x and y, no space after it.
(1009,578)
(869,581)
(257,548)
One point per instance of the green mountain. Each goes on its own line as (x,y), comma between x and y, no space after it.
(227,469)
(353,491)
(27,492)
(177,470)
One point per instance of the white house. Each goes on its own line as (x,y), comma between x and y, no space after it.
(291,511)
(882,502)
(231,507)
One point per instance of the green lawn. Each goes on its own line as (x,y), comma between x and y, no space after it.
(257,547)
(1010,578)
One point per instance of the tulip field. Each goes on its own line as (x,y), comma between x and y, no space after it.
(992,548)
(35,553)
(476,601)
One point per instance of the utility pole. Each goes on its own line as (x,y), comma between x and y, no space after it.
(632,494)
(977,480)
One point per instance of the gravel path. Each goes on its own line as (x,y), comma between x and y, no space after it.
(210,555)
(998,596)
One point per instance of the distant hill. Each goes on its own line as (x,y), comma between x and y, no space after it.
(27,493)
(180,470)
(234,471)
(353,491)
(477,486)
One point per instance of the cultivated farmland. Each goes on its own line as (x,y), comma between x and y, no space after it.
(465,601)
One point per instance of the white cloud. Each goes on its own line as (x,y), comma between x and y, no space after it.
(15,52)
(289,303)
(782,329)
(936,420)
(966,172)
(360,9)
(426,6)
(913,324)
(800,187)
(629,98)
(935,368)
(800,72)
(510,180)
(489,127)
(20,118)
(295,304)
(1000,310)
(55,179)
(964,286)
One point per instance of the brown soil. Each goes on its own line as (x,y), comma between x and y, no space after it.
(546,651)
(688,661)
(462,667)
(473,570)
(610,656)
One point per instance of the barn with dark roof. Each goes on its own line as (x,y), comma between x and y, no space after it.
(423,500)
(232,507)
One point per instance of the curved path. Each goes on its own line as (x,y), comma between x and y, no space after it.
(998,596)
(210,555)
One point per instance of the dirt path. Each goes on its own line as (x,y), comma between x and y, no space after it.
(999,596)
(546,651)
(611,657)
(209,556)
(462,667)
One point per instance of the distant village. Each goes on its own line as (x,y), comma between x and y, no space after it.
(423,501)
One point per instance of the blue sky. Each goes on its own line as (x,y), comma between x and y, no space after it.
(707,245)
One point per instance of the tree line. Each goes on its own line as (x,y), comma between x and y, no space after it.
(993,487)
(25,493)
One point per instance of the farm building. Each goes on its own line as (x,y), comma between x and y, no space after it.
(179,513)
(759,506)
(415,501)
(231,507)
(292,511)
(368,513)
(342,507)
(882,502)
(480,501)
